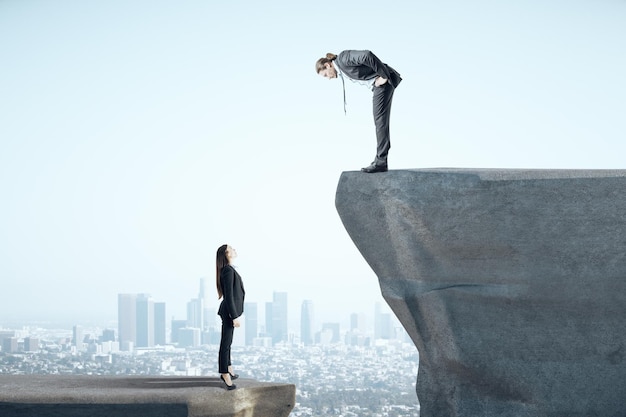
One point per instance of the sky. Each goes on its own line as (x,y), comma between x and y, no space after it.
(136,137)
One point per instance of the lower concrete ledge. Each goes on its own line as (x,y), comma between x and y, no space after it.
(109,396)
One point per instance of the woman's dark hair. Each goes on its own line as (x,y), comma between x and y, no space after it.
(320,64)
(220,262)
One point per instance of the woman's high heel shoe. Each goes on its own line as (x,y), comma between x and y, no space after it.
(233,377)
(228,387)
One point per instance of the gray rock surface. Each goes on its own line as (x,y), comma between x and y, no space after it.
(99,396)
(511,283)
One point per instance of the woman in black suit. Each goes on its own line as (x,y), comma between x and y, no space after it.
(230,287)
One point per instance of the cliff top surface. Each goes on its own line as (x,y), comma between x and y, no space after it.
(499,174)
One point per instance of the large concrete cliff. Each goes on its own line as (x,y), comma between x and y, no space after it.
(511,283)
(97,396)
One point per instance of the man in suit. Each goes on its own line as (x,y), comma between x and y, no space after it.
(365,68)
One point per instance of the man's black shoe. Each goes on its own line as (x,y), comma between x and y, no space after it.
(375,168)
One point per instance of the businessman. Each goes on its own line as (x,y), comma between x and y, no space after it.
(365,68)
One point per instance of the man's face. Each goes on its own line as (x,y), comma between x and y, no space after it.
(329,71)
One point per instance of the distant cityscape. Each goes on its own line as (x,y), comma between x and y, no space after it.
(357,371)
(142,324)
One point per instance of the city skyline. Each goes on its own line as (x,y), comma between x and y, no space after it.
(141,320)
(141,325)
(86,319)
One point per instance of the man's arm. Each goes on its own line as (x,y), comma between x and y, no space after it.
(366,58)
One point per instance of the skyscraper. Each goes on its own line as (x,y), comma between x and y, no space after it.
(127,320)
(159,324)
(210,318)
(77,337)
(357,334)
(251,325)
(140,321)
(268,319)
(9,344)
(145,321)
(333,328)
(176,326)
(194,313)
(108,335)
(382,324)
(5,334)
(31,344)
(306,323)
(357,322)
(279,331)
(203,295)
(189,337)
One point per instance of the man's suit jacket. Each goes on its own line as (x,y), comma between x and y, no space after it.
(364,65)
(233,293)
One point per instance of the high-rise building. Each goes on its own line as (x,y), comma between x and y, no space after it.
(306,323)
(176,326)
(108,335)
(5,337)
(189,337)
(194,313)
(276,318)
(145,321)
(279,317)
(31,344)
(9,344)
(159,324)
(382,324)
(208,320)
(127,320)
(78,337)
(203,293)
(251,316)
(333,328)
(357,334)
(6,334)
(269,326)
(357,322)
(140,321)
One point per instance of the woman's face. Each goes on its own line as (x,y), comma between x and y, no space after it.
(231,253)
(329,71)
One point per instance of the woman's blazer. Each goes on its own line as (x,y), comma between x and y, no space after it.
(233,293)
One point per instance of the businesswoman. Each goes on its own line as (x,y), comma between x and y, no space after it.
(230,288)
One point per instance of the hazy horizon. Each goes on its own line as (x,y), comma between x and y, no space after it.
(92,322)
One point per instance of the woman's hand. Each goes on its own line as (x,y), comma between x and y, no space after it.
(236,323)
(379,81)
